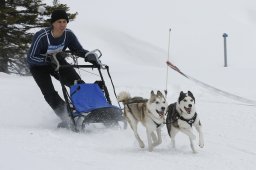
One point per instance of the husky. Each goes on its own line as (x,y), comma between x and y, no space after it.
(182,116)
(150,112)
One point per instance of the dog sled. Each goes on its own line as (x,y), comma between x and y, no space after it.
(88,102)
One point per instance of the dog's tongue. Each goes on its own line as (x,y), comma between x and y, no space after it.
(161,114)
(188,110)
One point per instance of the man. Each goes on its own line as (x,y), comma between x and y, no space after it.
(51,41)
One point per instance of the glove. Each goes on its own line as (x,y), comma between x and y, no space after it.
(60,55)
(92,58)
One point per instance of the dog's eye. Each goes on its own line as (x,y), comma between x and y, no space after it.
(185,100)
(157,102)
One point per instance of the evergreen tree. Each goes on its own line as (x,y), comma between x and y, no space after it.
(18,21)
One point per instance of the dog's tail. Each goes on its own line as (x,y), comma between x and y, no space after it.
(123,96)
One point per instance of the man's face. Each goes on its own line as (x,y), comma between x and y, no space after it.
(60,25)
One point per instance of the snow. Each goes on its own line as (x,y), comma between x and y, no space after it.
(41,9)
(133,37)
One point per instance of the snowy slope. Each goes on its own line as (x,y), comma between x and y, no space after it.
(133,38)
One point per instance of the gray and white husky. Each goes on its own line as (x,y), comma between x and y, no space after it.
(150,112)
(181,116)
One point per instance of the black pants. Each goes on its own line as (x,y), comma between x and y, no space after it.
(42,76)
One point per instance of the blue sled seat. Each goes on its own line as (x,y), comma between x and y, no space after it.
(88,97)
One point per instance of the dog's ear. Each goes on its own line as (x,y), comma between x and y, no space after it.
(152,96)
(181,97)
(191,95)
(181,93)
(159,93)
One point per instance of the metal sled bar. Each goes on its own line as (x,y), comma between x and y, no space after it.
(79,66)
(67,100)
(104,86)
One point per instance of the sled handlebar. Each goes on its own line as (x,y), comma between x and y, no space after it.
(55,62)
(96,52)
(57,66)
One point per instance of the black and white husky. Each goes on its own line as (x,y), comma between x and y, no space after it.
(150,112)
(181,116)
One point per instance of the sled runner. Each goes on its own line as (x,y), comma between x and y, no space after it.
(88,102)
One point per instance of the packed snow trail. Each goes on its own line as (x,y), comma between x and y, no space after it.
(214,89)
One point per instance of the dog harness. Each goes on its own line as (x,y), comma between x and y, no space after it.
(137,100)
(134,100)
(173,116)
(189,121)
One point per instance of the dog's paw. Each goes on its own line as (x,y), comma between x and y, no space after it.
(194,151)
(150,148)
(157,143)
(173,144)
(201,145)
(142,145)
(201,142)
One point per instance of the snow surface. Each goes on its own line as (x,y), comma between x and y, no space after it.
(133,37)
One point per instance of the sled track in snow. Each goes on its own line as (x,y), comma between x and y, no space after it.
(224,93)
(246,101)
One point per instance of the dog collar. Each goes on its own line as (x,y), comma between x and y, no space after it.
(157,124)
